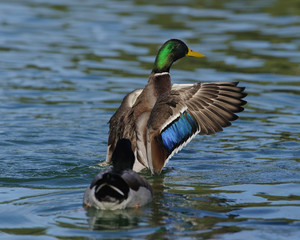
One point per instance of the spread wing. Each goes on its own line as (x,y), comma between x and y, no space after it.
(180,114)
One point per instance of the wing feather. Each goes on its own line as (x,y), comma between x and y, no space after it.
(117,123)
(180,114)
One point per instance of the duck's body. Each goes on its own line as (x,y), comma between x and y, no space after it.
(161,118)
(111,190)
(130,120)
(119,187)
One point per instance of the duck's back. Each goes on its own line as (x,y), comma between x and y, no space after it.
(130,120)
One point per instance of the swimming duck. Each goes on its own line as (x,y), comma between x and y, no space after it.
(162,118)
(119,187)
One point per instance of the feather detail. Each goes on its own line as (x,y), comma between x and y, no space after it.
(178,131)
(186,111)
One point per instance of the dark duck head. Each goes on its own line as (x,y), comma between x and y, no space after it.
(119,187)
(171,51)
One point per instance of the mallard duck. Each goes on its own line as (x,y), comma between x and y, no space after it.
(162,118)
(119,187)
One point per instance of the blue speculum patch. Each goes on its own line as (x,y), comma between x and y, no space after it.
(178,131)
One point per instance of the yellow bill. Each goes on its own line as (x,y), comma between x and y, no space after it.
(192,53)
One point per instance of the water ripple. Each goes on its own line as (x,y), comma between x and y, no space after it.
(66,67)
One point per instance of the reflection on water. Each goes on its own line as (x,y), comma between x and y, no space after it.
(65,67)
(114,220)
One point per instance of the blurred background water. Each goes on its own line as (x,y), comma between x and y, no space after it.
(65,67)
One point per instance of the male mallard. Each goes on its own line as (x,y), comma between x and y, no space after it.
(161,118)
(119,187)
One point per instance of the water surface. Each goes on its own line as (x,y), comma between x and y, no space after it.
(65,67)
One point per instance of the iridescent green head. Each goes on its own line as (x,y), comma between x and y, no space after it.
(171,51)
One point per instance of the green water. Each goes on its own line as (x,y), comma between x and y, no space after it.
(65,67)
